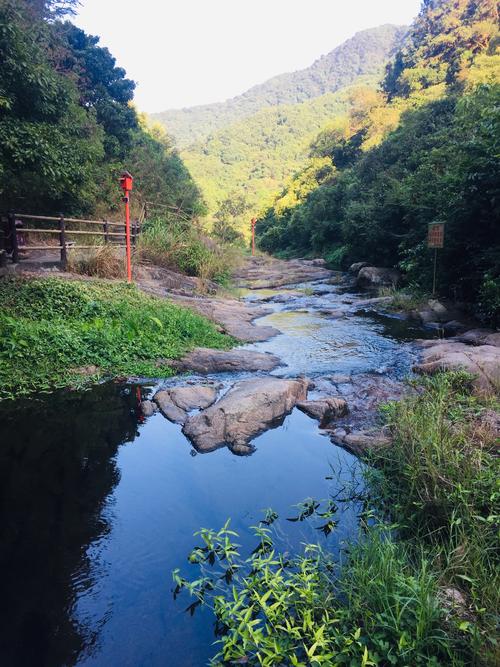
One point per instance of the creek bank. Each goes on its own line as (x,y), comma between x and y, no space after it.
(249,408)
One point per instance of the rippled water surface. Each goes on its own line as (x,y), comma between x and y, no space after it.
(98,505)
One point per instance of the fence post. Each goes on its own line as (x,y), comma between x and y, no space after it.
(13,236)
(134,233)
(106,230)
(62,243)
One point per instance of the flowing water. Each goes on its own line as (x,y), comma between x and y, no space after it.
(98,505)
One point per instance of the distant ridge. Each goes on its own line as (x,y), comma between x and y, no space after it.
(363,54)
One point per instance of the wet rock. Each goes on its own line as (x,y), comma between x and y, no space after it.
(357,266)
(148,408)
(373,302)
(249,408)
(204,360)
(331,313)
(176,402)
(453,326)
(361,442)
(373,276)
(324,410)
(482,361)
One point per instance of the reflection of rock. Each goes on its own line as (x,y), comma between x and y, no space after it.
(372,276)
(325,409)
(176,402)
(205,360)
(482,361)
(148,408)
(259,272)
(249,408)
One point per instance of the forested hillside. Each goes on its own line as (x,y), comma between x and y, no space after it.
(364,53)
(67,127)
(253,158)
(424,149)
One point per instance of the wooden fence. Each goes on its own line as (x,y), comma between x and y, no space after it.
(17,226)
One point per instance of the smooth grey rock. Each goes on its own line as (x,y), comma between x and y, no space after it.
(249,408)
(373,276)
(482,361)
(357,266)
(205,360)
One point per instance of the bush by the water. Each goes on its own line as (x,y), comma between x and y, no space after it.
(55,333)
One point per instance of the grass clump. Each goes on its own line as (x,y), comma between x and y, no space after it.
(179,246)
(440,483)
(56,333)
(103,261)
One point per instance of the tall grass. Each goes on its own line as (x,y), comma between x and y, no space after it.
(104,261)
(181,246)
(440,483)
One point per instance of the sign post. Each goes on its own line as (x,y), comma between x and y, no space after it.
(126,181)
(254,222)
(435,239)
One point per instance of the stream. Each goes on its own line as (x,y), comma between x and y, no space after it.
(99,504)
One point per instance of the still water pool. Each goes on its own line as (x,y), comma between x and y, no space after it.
(98,505)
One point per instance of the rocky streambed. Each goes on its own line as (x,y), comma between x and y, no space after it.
(102,490)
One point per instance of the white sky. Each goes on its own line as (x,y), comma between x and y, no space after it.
(187,52)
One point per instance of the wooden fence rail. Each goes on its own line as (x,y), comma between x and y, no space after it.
(13,230)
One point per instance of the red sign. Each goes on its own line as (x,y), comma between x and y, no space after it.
(435,235)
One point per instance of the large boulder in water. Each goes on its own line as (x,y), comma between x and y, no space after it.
(356,267)
(373,276)
(481,361)
(249,408)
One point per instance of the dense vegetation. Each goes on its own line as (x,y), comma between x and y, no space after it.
(365,53)
(67,127)
(57,333)
(419,588)
(424,149)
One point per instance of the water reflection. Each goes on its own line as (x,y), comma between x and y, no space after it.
(57,468)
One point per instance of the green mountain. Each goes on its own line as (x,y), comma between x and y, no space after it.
(363,54)
(255,156)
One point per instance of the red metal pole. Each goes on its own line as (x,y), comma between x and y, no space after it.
(253,236)
(127,237)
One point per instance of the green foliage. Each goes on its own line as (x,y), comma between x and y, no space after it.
(67,125)
(377,608)
(386,600)
(51,330)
